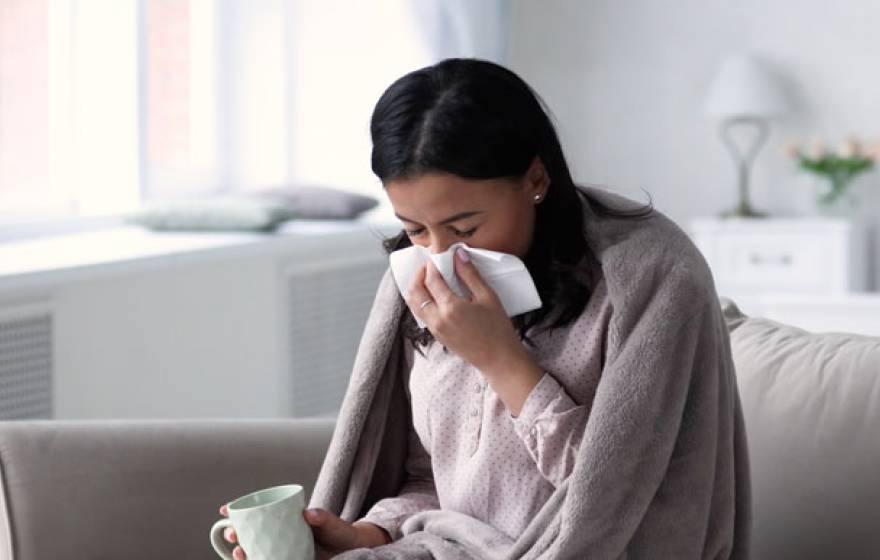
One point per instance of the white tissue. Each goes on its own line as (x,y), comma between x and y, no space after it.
(506,274)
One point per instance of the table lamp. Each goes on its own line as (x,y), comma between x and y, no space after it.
(744,93)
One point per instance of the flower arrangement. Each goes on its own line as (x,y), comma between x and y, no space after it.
(840,167)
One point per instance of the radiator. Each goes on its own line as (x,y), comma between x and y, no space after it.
(328,303)
(25,361)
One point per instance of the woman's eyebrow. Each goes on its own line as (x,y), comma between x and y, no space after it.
(456,217)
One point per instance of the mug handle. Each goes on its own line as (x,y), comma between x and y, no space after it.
(217,540)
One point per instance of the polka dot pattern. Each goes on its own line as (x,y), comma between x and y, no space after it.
(483,461)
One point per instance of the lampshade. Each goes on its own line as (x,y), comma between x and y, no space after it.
(744,87)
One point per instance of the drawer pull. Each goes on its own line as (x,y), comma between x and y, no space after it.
(755,258)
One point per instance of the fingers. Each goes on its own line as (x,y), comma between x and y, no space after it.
(418,294)
(230,536)
(429,285)
(331,531)
(469,274)
(437,286)
(322,553)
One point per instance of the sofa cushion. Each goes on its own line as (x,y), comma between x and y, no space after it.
(811,403)
(141,489)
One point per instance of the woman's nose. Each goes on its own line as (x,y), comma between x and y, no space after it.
(439,245)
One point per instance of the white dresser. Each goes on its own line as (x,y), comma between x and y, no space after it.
(753,260)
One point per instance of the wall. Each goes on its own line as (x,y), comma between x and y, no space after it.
(626,81)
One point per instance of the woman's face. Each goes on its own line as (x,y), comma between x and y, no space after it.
(439,209)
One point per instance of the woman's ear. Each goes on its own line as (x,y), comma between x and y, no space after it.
(537,180)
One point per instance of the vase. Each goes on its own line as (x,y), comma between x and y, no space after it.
(835,199)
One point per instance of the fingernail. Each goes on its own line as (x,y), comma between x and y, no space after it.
(228,534)
(462,254)
(314,514)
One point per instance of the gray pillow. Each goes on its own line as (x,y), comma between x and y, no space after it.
(219,213)
(317,203)
(257,211)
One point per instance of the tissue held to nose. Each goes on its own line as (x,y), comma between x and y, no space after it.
(506,274)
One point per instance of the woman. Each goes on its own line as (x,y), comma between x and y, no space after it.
(497,427)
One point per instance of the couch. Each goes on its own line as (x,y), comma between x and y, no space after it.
(151,489)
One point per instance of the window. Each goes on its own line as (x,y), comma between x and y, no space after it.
(168,88)
(99,104)
(68,108)
(24,99)
(181,117)
(107,103)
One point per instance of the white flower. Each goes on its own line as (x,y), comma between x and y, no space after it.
(849,148)
(791,149)
(817,149)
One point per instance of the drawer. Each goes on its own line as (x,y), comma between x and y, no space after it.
(805,263)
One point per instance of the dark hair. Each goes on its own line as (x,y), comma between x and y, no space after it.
(478,120)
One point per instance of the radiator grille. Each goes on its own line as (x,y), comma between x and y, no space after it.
(329,304)
(26,367)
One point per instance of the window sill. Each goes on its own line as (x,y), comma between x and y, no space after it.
(36,262)
(49,227)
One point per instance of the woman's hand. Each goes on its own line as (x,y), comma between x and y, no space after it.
(477,329)
(332,534)
(230,536)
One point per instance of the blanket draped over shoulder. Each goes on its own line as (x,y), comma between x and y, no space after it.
(662,469)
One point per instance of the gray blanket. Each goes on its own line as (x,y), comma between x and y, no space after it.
(662,469)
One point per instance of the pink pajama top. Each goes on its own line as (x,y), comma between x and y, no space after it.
(469,454)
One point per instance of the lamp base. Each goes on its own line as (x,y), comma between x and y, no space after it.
(744,212)
(743,160)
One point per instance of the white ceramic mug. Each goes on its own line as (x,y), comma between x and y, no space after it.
(269,525)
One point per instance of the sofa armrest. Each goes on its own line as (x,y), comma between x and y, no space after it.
(140,488)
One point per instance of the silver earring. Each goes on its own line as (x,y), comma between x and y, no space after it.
(538,198)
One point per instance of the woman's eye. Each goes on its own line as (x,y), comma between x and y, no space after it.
(415,232)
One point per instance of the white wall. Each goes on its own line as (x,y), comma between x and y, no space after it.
(626,81)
